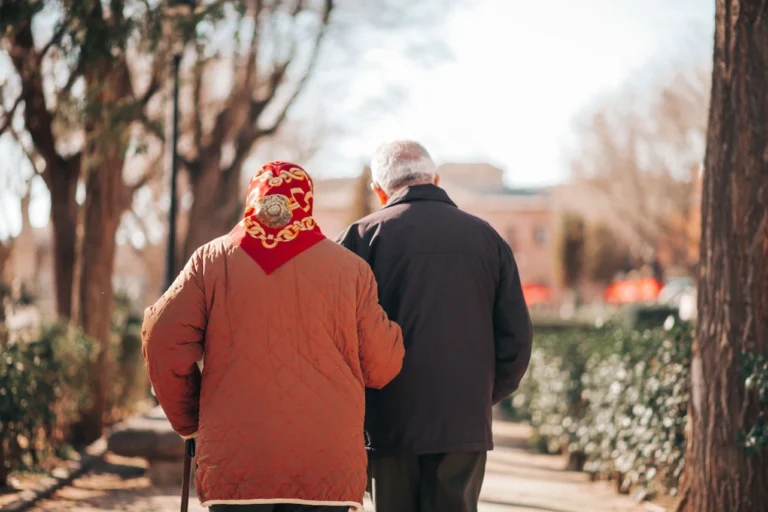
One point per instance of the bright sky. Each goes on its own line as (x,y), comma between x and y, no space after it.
(521,72)
(518,74)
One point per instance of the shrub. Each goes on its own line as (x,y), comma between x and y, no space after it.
(615,397)
(44,386)
(131,385)
(42,389)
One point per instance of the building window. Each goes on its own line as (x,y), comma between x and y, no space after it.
(541,235)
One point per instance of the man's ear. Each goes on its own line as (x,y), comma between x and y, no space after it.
(380,194)
(437,180)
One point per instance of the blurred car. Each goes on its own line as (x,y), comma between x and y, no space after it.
(680,293)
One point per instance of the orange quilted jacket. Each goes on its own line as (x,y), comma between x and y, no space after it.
(278,410)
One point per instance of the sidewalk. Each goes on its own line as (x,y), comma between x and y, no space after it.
(516,481)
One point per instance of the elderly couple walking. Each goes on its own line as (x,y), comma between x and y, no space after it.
(328,365)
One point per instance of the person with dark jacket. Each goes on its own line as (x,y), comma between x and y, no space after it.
(451,282)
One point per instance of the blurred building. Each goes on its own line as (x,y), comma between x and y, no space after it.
(524,217)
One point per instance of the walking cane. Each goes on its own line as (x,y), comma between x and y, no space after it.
(189,454)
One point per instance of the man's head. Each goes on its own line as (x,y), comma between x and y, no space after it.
(400,164)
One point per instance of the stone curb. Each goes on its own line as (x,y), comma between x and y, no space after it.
(60,477)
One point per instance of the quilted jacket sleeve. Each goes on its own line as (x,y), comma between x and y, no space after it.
(172,343)
(381,340)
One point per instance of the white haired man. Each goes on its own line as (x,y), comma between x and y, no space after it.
(451,283)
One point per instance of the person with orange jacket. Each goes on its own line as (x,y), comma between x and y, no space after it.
(292,333)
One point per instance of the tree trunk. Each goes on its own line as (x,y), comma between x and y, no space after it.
(60,174)
(216,206)
(733,274)
(103,209)
(64,211)
(107,133)
(4,472)
(361,203)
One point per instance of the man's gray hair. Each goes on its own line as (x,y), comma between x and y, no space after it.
(401,163)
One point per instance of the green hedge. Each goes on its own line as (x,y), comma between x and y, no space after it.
(613,398)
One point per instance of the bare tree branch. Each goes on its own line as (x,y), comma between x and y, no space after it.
(9,115)
(197,96)
(76,73)
(637,156)
(156,78)
(29,153)
(305,77)
(38,120)
(151,126)
(152,171)
(57,35)
(250,70)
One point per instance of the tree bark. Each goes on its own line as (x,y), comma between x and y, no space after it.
(60,174)
(107,132)
(64,214)
(733,274)
(216,205)
(103,209)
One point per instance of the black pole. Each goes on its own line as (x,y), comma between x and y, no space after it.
(170,255)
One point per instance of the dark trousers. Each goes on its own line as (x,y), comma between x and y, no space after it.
(447,482)
(281,507)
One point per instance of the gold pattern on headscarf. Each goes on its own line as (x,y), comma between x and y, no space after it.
(294,203)
(290,232)
(294,173)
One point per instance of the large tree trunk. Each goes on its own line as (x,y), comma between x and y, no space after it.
(107,132)
(64,213)
(60,174)
(102,217)
(216,206)
(733,272)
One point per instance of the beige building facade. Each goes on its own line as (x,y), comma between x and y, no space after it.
(525,218)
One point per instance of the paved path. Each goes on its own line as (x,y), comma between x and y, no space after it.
(516,481)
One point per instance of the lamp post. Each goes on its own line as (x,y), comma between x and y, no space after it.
(177,10)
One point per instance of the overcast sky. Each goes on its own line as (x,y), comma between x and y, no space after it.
(520,73)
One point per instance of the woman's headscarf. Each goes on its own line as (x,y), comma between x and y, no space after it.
(277,224)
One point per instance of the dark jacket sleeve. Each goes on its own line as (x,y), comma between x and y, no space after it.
(513,333)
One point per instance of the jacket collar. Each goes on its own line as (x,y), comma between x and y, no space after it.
(419,193)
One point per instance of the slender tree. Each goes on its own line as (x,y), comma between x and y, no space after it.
(721,472)
(570,250)
(638,162)
(273,57)
(90,43)
(361,203)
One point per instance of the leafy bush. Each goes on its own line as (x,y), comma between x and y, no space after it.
(756,382)
(44,386)
(42,390)
(615,397)
(131,384)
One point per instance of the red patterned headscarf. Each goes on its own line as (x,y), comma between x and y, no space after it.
(277,224)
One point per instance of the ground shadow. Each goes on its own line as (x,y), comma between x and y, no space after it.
(123,471)
(521,505)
